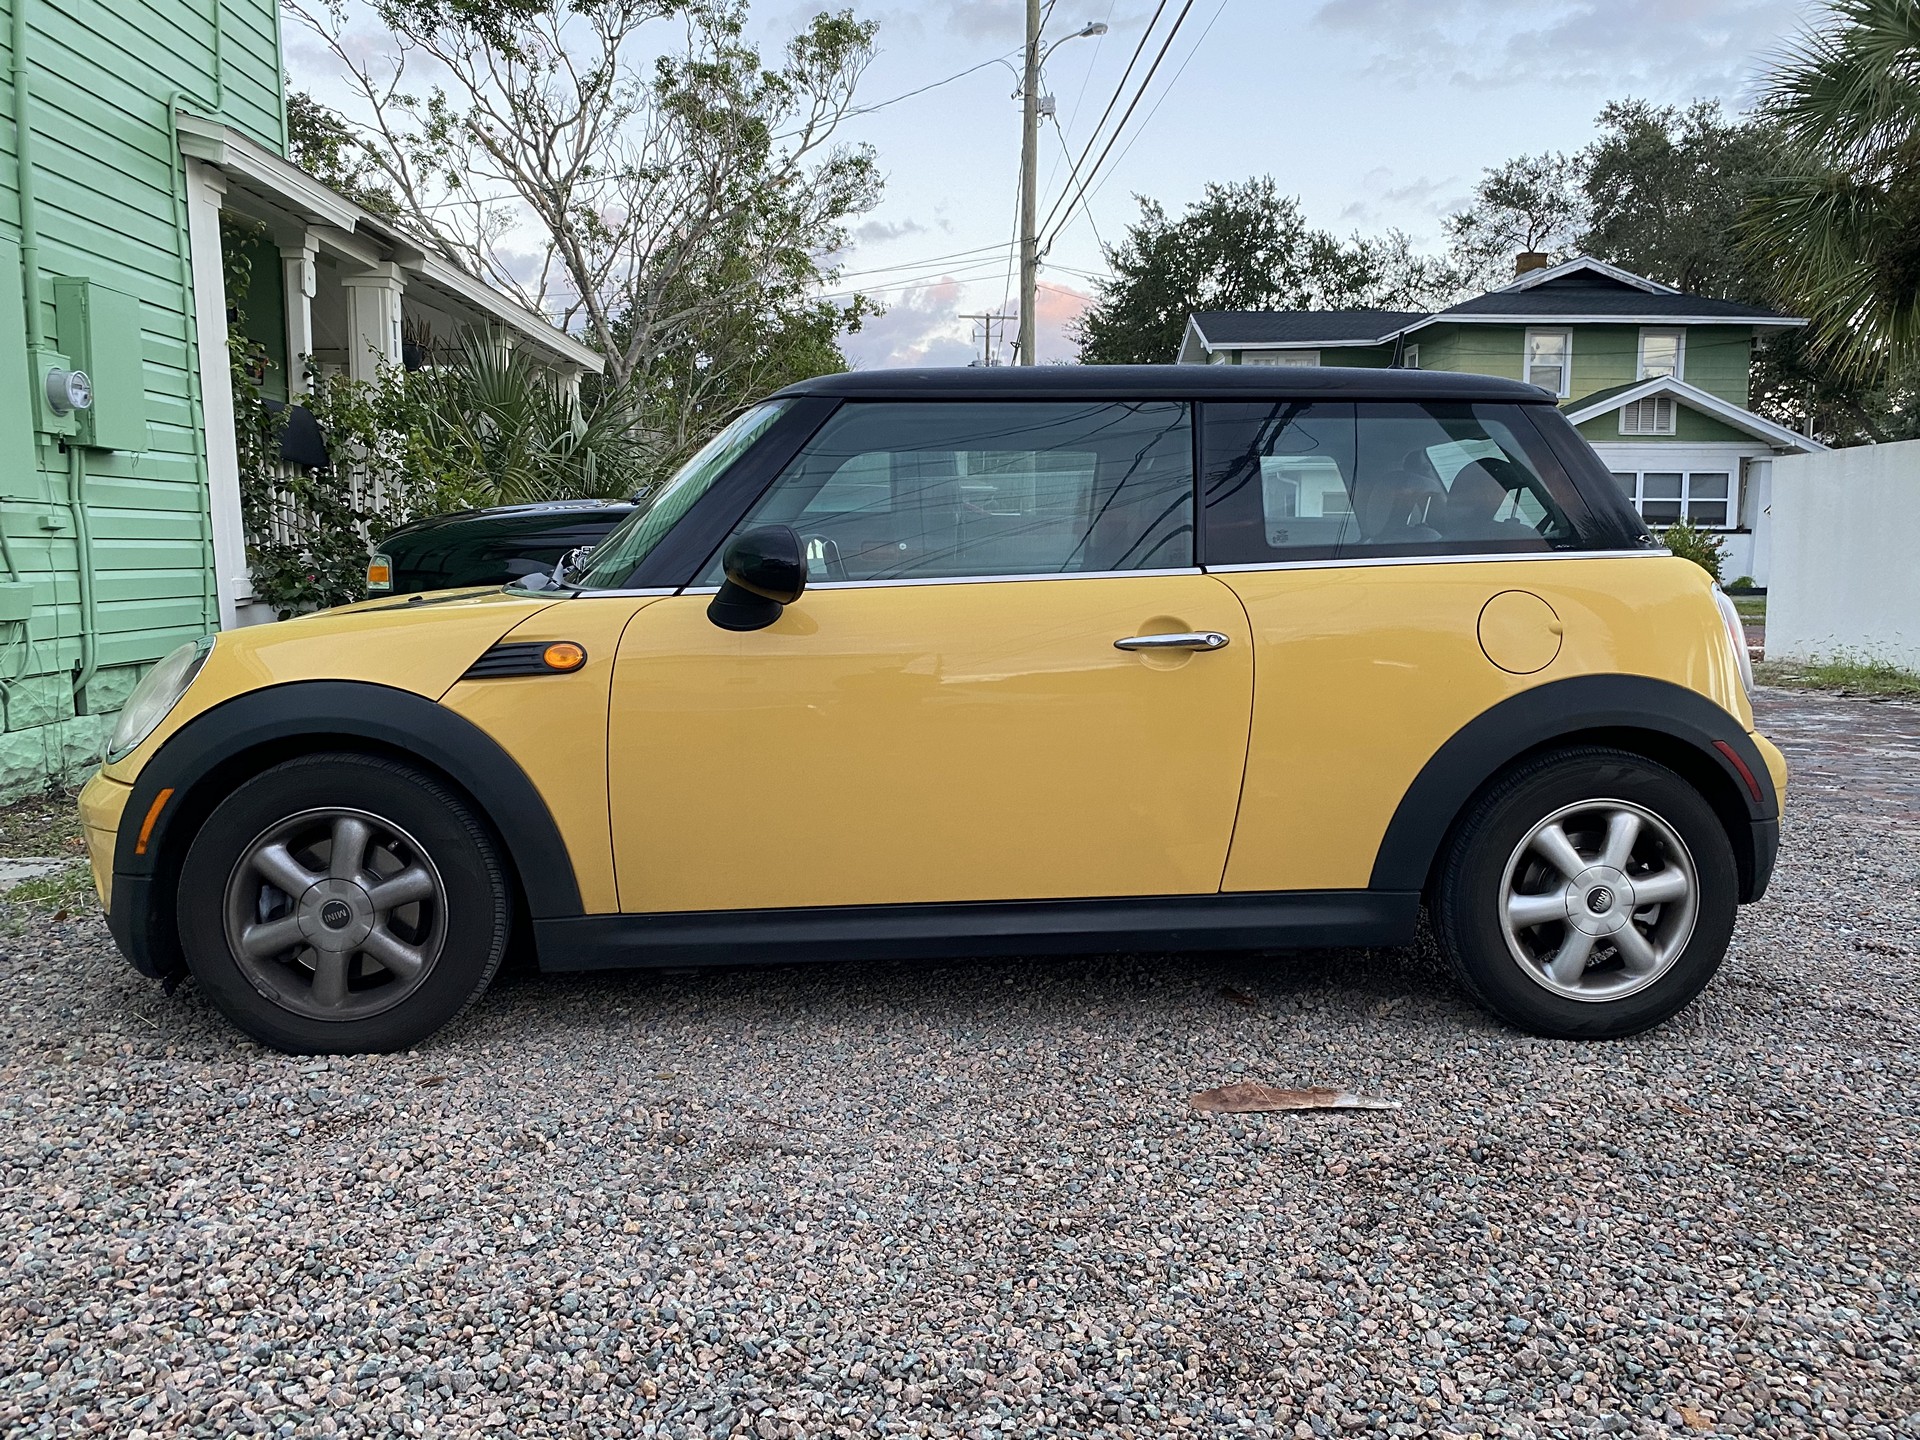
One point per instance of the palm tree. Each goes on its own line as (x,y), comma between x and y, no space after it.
(517,434)
(1840,231)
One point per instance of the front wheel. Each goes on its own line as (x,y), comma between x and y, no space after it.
(1589,895)
(342,904)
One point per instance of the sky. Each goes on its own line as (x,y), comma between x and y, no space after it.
(1377,114)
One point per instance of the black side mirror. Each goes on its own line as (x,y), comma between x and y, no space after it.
(766,571)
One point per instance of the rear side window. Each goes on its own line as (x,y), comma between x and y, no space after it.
(892,490)
(1299,480)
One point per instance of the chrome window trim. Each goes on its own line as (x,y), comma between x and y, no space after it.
(970,579)
(598,594)
(1350,562)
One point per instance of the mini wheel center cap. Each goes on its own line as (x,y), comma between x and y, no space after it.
(1599,901)
(336,915)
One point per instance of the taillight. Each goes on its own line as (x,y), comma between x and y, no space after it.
(379,573)
(1736,636)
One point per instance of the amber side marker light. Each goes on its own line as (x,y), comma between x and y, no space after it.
(380,573)
(563,655)
(153,814)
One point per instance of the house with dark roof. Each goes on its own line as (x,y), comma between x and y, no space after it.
(1655,378)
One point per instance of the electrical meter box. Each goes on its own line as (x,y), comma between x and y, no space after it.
(100,332)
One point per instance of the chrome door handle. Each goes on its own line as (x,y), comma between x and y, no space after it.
(1184,640)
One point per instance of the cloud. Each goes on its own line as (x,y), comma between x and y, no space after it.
(1669,48)
(1385,204)
(922,327)
(875,232)
(1055,309)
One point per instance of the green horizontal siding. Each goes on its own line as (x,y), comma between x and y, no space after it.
(102,77)
(1690,428)
(1718,357)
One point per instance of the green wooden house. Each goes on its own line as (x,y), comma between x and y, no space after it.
(132,129)
(1656,379)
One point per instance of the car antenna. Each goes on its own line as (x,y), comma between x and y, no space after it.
(1399,352)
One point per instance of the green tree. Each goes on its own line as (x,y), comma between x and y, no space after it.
(327,148)
(1665,187)
(1240,247)
(1839,229)
(1534,203)
(665,210)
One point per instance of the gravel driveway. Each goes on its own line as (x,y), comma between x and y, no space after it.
(971,1200)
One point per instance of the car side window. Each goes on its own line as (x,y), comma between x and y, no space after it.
(1293,480)
(894,490)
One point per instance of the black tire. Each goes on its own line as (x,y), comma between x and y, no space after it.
(1469,913)
(466,920)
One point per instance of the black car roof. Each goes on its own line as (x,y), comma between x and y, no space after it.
(1166,382)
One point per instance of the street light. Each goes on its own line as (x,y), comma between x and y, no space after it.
(1030,169)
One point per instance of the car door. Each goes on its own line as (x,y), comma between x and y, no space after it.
(1392,558)
(947,714)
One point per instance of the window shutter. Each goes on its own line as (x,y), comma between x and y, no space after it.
(1652,416)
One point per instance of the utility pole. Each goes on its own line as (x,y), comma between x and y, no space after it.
(1029,182)
(987,322)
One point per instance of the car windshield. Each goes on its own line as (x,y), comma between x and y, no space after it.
(630,542)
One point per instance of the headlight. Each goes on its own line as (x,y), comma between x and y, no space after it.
(155,696)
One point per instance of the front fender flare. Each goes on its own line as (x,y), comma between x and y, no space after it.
(205,758)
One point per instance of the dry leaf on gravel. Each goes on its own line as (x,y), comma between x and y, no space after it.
(1248,1097)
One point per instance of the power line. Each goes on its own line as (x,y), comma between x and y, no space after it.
(1090,221)
(1144,124)
(1119,129)
(925,261)
(934,85)
(964,273)
(1114,99)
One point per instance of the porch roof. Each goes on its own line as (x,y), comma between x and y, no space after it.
(283,190)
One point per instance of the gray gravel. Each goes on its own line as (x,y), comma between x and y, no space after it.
(969,1200)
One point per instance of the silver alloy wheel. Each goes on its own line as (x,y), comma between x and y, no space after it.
(1599,900)
(335,914)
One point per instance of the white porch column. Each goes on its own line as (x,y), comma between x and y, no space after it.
(205,186)
(299,281)
(373,319)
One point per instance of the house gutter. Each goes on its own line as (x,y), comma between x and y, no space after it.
(23,156)
(183,249)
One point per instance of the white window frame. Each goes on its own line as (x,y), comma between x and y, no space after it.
(1410,358)
(1679,334)
(1566,361)
(1687,499)
(1279,357)
(1673,415)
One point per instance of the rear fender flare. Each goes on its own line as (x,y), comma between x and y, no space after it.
(1667,722)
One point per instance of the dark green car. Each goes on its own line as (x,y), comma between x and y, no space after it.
(488,547)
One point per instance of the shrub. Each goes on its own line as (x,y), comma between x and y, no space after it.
(1703,547)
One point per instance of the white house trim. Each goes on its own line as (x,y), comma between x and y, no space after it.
(1586,263)
(1562,319)
(360,236)
(1694,398)
(232,582)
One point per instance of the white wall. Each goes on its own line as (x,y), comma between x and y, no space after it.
(1846,555)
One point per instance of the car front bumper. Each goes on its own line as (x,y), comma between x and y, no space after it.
(102,803)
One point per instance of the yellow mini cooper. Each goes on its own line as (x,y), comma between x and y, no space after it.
(965,662)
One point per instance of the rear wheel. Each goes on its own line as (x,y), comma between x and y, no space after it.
(1589,895)
(342,903)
